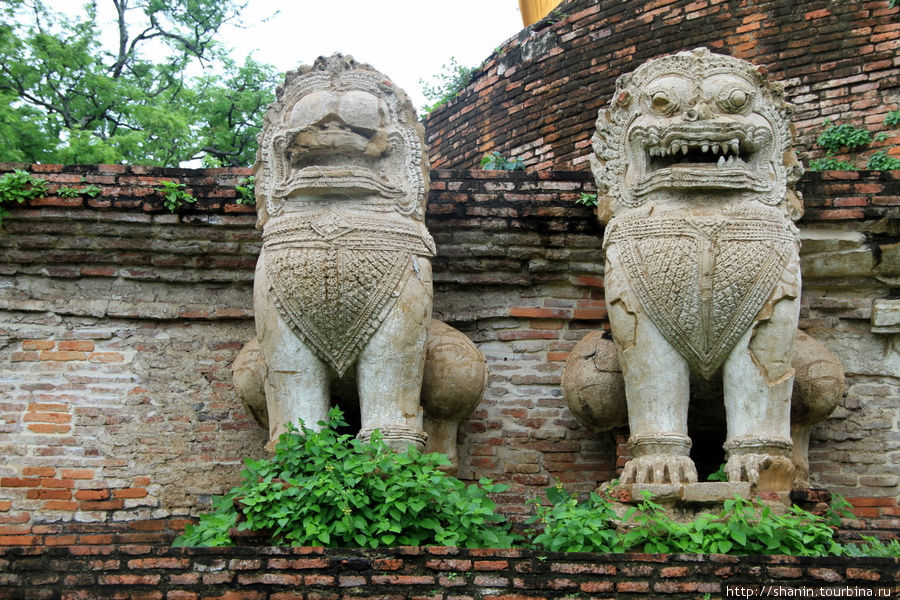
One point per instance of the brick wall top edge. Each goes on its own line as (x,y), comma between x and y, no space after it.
(445,551)
(828,196)
(440,174)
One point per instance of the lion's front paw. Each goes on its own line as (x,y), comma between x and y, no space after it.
(765,471)
(660,468)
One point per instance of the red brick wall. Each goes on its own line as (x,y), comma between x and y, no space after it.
(145,573)
(537,96)
(119,320)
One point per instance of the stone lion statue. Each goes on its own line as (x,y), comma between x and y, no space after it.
(343,288)
(695,170)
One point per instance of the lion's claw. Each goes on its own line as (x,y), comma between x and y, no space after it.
(660,468)
(761,470)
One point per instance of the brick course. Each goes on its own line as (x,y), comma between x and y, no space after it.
(82,572)
(536,97)
(120,322)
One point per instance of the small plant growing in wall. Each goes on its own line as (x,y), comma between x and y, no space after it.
(847,136)
(88,191)
(174,195)
(492,161)
(19,187)
(331,489)
(852,138)
(246,189)
(452,79)
(587,199)
(880,161)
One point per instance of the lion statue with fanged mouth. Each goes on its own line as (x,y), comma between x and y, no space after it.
(695,173)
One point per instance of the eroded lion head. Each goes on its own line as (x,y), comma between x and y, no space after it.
(693,125)
(341,131)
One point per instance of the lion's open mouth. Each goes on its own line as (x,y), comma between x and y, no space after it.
(687,156)
(333,161)
(347,179)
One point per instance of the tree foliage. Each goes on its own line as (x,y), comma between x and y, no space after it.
(154,86)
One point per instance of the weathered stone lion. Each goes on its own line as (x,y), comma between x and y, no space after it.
(343,290)
(695,169)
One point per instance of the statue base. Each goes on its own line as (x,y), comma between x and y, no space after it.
(683,502)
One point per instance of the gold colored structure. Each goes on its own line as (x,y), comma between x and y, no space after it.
(535,10)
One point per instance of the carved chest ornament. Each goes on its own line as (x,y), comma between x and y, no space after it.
(703,280)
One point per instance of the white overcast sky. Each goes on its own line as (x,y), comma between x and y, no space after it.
(407,40)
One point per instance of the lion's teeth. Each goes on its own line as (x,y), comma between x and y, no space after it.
(684,149)
(735,147)
(704,146)
(715,148)
(721,162)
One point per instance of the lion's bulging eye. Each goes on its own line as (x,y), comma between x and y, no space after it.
(660,101)
(737,100)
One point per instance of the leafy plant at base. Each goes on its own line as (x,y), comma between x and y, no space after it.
(718,475)
(325,488)
(570,526)
(246,189)
(19,187)
(892,118)
(452,79)
(880,161)
(742,527)
(494,162)
(836,137)
(873,546)
(174,195)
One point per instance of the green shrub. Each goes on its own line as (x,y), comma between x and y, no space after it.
(570,526)
(872,546)
(741,527)
(326,488)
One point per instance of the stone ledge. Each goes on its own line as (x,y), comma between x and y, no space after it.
(886,316)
